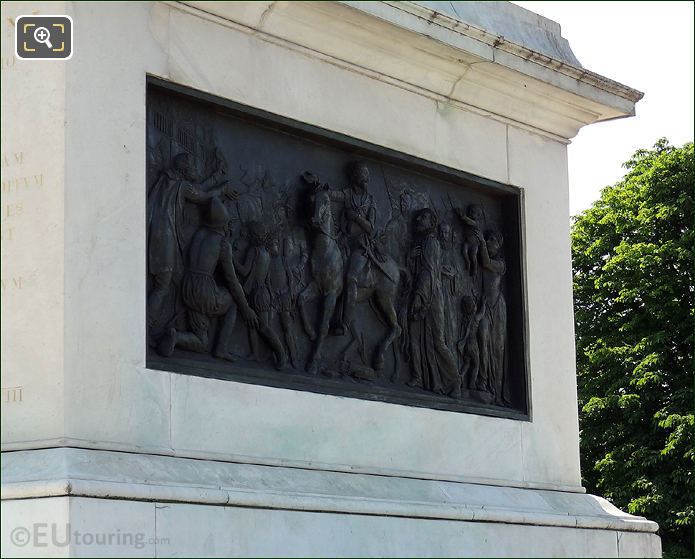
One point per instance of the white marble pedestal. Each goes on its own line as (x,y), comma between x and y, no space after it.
(132,461)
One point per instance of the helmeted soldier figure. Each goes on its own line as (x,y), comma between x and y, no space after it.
(202,296)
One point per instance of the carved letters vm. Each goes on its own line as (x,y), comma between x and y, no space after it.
(286,255)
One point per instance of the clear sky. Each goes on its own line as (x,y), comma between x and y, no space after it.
(645,45)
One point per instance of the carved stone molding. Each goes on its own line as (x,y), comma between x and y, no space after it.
(438,56)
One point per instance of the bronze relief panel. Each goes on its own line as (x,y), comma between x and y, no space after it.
(283,254)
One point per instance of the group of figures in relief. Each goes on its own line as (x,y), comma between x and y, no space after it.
(299,268)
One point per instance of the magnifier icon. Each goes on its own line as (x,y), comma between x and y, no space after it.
(42,35)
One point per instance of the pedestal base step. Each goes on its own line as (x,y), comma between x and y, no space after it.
(78,502)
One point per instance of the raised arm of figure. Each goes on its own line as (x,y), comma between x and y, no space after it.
(490,264)
(194,193)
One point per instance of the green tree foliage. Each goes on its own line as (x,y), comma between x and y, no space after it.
(633,288)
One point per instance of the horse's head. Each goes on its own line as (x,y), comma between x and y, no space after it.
(321,215)
(321,218)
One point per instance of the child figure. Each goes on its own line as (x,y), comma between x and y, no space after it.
(473,221)
(468,346)
(256,269)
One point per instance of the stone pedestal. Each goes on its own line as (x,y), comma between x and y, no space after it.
(148,462)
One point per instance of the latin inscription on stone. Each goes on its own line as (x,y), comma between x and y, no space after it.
(286,255)
(12,394)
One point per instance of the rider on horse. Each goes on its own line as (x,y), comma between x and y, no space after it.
(358,228)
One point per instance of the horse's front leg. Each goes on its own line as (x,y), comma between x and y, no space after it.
(308,293)
(328,308)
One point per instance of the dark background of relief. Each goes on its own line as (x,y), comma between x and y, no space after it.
(273,150)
